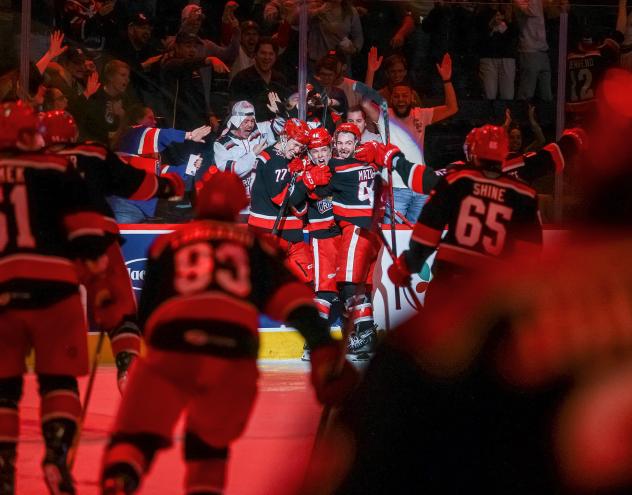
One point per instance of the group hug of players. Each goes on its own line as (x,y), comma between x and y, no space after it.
(207,282)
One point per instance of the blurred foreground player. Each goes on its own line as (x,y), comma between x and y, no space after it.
(521,380)
(46,222)
(205,286)
(106,175)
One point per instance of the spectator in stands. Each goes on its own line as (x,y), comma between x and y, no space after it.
(497,48)
(396,71)
(141,144)
(138,49)
(106,108)
(93,24)
(408,128)
(261,84)
(70,76)
(330,82)
(387,26)
(334,25)
(514,131)
(249,39)
(357,115)
(534,62)
(54,99)
(182,81)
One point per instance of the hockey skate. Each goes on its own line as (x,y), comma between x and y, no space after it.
(58,478)
(361,344)
(307,353)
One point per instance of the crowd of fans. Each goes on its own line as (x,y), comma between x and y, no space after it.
(119,64)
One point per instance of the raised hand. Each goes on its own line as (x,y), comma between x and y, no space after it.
(445,68)
(92,85)
(55,48)
(374,62)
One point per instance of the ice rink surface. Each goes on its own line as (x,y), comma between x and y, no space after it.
(269,458)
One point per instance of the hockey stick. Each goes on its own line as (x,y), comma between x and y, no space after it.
(283,207)
(72,453)
(404,219)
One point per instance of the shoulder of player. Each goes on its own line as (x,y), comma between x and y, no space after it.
(88,148)
(200,231)
(346,164)
(37,161)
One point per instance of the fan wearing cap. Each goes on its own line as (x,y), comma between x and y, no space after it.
(201,324)
(489,215)
(280,191)
(237,148)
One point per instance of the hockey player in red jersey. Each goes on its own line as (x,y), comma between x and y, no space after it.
(47,221)
(489,215)
(106,175)
(279,195)
(351,189)
(205,286)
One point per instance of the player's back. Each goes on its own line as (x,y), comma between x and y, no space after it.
(204,288)
(352,187)
(43,209)
(487,215)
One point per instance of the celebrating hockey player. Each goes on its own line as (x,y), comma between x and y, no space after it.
(279,199)
(205,286)
(488,214)
(106,175)
(47,220)
(351,189)
(244,138)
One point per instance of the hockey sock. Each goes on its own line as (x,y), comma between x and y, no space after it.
(206,466)
(60,411)
(10,393)
(357,306)
(127,458)
(324,300)
(125,338)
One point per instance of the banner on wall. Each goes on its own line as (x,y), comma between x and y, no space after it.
(139,238)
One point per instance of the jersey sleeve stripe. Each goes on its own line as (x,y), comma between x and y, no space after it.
(278,199)
(147,188)
(426,235)
(416,178)
(84,221)
(556,156)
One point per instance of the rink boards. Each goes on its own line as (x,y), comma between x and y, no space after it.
(278,341)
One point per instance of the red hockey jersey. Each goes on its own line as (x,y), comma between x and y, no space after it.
(47,218)
(272,182)
(206,284)
(488,215)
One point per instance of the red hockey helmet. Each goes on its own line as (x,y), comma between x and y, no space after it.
(296,129)
(319,137)
(15,117)
(490,142)
(349,127)
(58,126)
(469,142)
(222,196)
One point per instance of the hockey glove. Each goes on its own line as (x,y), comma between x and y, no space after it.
(332,386)
(317,176)
(296,165)
(172,186)
(399,273)
(578,135)
(380,154)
